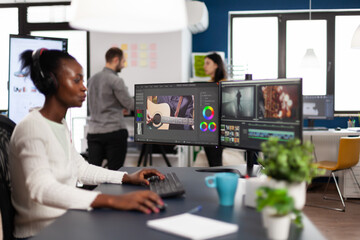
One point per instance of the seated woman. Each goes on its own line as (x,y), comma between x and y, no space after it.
(44,164)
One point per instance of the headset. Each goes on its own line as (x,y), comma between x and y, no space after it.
(48,83)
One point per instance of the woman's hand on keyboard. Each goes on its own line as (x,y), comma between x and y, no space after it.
(141,176)
(143,201)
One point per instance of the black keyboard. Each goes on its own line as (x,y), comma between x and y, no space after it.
(169,187)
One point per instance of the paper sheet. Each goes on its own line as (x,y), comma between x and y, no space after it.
(193,226)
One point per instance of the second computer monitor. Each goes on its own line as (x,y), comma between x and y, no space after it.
(177,113)
(318,107)
(252,111)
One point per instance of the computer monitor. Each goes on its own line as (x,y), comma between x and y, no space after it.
(252,111)
(23,95)
(158,119)
(318,107)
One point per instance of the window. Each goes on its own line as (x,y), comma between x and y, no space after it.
(8,25)
(328,34)
(303,36)
(347,68)
(254,47)
(48,14)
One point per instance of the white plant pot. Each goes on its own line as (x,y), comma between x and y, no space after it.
(296,190)
(278,227)
(251,185)
(266,213)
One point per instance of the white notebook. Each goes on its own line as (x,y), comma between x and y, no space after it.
(193,226)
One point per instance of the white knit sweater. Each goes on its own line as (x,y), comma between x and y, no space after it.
(43,176)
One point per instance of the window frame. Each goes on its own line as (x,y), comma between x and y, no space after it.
(283,16)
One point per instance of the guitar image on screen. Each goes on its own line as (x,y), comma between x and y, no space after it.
(161,116)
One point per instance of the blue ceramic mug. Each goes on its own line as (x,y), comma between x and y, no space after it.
(225,184)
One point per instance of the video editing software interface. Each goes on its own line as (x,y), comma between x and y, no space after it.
(252,111)
(177,113)
(318,107)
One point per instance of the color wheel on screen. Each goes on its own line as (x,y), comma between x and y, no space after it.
(212,127)
(208,113)
(203,126)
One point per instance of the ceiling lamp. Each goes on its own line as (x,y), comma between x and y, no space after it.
(310,59)
(129,16)
(355,42)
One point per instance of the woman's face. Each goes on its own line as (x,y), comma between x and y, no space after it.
(210,67)
(71,89)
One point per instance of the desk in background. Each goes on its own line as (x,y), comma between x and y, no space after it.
(326,148)
(111,224)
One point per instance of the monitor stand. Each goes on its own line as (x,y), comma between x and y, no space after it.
(147,150)
(251,159)
(311,123)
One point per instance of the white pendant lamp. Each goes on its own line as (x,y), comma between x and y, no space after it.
(129,16)
(355,42)
(310,59)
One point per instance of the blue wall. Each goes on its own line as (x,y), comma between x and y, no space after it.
(215,38)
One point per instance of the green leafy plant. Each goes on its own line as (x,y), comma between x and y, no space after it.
(291,162)
(279,200)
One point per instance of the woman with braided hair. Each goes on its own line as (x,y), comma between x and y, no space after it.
(44,164)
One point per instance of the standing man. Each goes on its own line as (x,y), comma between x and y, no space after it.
(108,97)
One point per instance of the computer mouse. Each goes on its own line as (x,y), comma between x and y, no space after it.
(338,128)
(161,207)
(153,178)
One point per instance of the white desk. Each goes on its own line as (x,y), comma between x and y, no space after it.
(326,148)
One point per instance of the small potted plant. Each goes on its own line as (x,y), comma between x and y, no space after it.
(277,208)
(289,165)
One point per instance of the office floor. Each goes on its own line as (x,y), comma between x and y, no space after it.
(333,224)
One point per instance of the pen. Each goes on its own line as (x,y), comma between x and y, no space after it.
(196,209)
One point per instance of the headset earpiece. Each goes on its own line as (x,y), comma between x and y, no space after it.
(48,82)
(36,60)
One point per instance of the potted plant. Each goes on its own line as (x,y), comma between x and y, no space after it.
(289,165)
(277,208)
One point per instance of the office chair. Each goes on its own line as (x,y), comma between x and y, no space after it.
(348,156)
(6,208)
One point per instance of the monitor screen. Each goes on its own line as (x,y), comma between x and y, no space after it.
(318,107)
(23,95)
(252,111)
(177,113)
